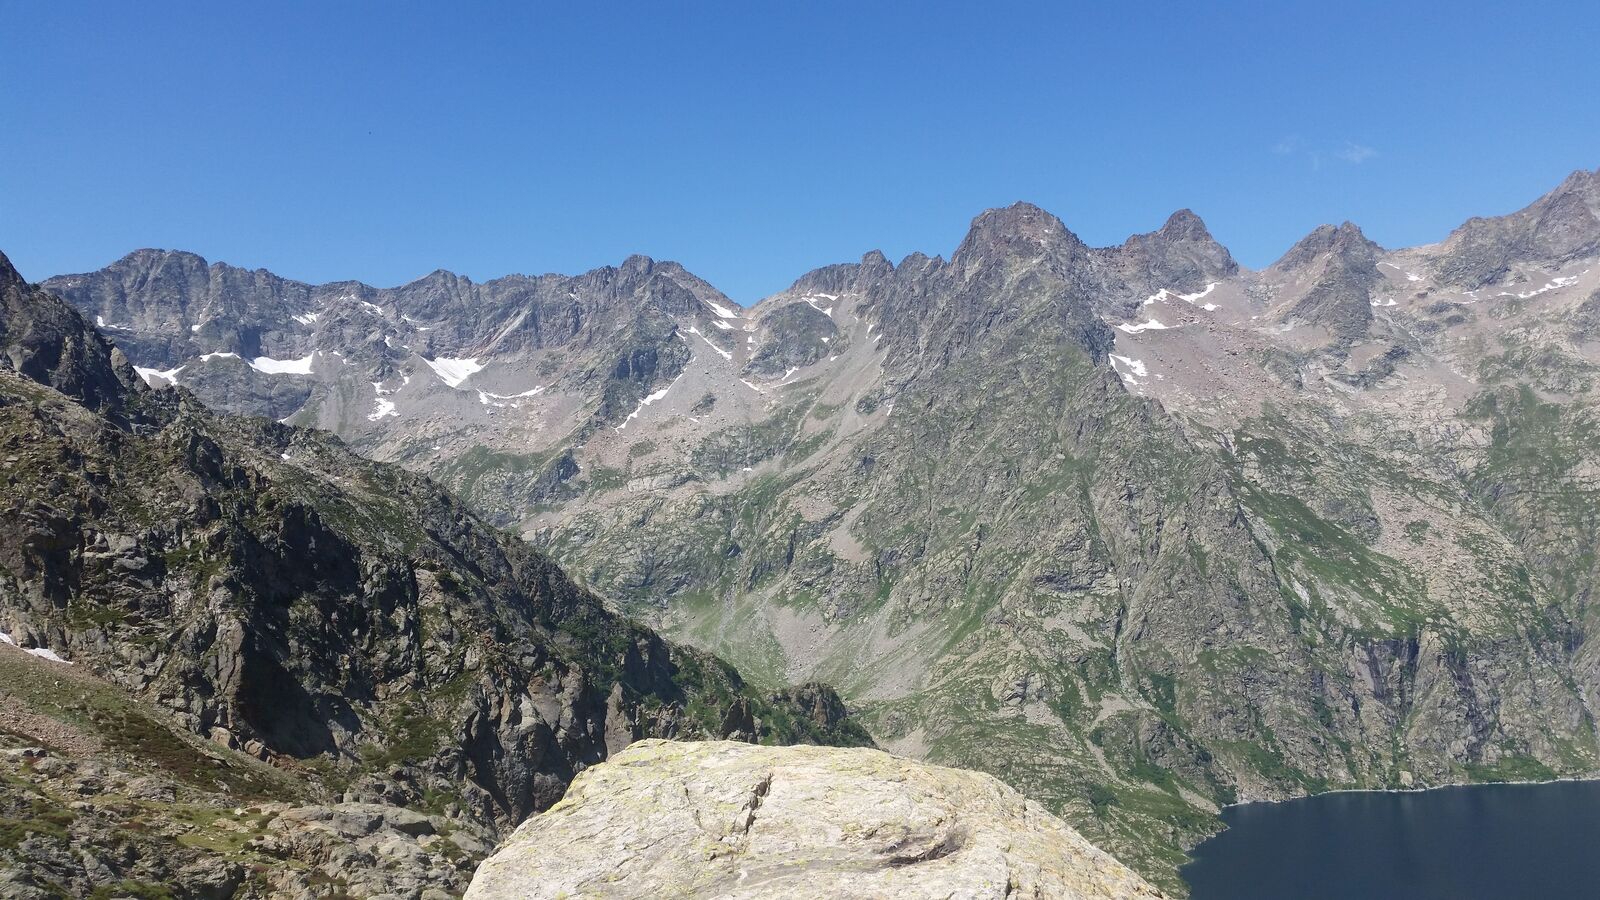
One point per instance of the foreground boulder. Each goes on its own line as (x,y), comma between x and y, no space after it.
(724,819)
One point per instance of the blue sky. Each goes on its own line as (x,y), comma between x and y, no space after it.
(754,141)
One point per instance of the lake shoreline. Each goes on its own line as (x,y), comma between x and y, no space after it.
(1595,776)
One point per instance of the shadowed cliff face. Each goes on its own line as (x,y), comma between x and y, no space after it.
(280,595)
(51,344)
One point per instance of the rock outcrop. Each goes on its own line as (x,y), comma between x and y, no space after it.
(727,820)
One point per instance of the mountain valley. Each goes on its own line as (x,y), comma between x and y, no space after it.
(241,661)
(1135,529)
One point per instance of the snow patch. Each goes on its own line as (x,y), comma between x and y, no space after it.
(1135,366)
(1152,325)
(531,392)
(725,354)
(721,324)
(170,376)
(207,357)
(722,311)
(647,401)
(269,366)
(1410,276)
(812,300)
(1555,284)
(1191,299)
(454,371)
(306,318)
(41,652)
(384,406)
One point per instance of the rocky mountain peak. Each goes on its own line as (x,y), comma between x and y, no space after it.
(637,264)
(1020,230)
(843,278)
(442,278)
(174,266)
(1339,265)
(1560,226)
(9,276)
(1181,255)
(875,260)
(1584,183)
(1185,224)
(1345,241)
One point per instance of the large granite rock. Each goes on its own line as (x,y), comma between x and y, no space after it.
(723,819)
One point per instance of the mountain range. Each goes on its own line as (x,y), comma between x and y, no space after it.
(1136,529)
(258,664)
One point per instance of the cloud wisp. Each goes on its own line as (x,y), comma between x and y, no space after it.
(1349,152)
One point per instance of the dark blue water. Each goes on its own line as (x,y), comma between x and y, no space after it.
(1469,843)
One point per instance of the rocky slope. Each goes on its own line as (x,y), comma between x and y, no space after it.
(342,631)
(1136,529)
(667,819)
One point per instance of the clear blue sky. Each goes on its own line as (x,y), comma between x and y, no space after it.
(379,141)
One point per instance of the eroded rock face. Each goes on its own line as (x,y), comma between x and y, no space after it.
(723,819)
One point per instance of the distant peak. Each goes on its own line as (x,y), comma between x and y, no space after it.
(1181,254)
(438,277)
(1579,178)
(1343,240)
(1182,227)
(1021,229)
(844,277)
(1581,187)
(153,256)
(1021,217)
(1184,224)
(874,259)
(9,275)
(638,262)
(1349,233)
